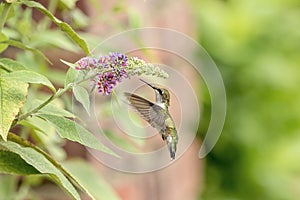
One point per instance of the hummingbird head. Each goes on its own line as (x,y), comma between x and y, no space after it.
(162,94)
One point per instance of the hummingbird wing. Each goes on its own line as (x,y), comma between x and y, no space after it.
(149,111)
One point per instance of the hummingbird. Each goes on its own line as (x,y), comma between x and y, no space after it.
(157,115)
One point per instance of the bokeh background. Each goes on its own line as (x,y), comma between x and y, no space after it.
(256,46)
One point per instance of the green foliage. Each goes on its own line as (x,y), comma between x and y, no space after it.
(62,25)
(3,38)
(11,65)
(25,47)
(12,98)
(51,109)
(28,113)
(82,95)
(28,77)
(71,76)
(70,130)
(38,115)
(42,164)
(12,163)
(120,142)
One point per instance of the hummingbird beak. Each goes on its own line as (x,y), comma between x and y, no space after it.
(155,88)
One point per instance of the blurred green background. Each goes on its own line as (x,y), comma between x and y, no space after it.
(256,45)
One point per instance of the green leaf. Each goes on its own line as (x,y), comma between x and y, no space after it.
(34,124)
(55,38)
(42,164)
(70,130)
(55,107)
(11,1)
(121,142)
(71,65)
(25,47)
(3,46)
(11,163)
(12,97)
(71,76)
(16,139)
(90,180)
(69,4)
(51,142)
(62,25)
(82,95)
(29,77)
(54,110)
(44,135)
(11,65)
(5,9)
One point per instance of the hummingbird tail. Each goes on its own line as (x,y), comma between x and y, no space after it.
(172,155)
(171,146)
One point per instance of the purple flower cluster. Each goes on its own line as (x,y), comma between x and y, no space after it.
(109,69)
(106,82)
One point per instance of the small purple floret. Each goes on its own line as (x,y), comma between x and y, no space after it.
(86,63)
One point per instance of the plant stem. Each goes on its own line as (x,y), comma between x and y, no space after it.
(4,15)
(25,143)
(59,92)
(54,96)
